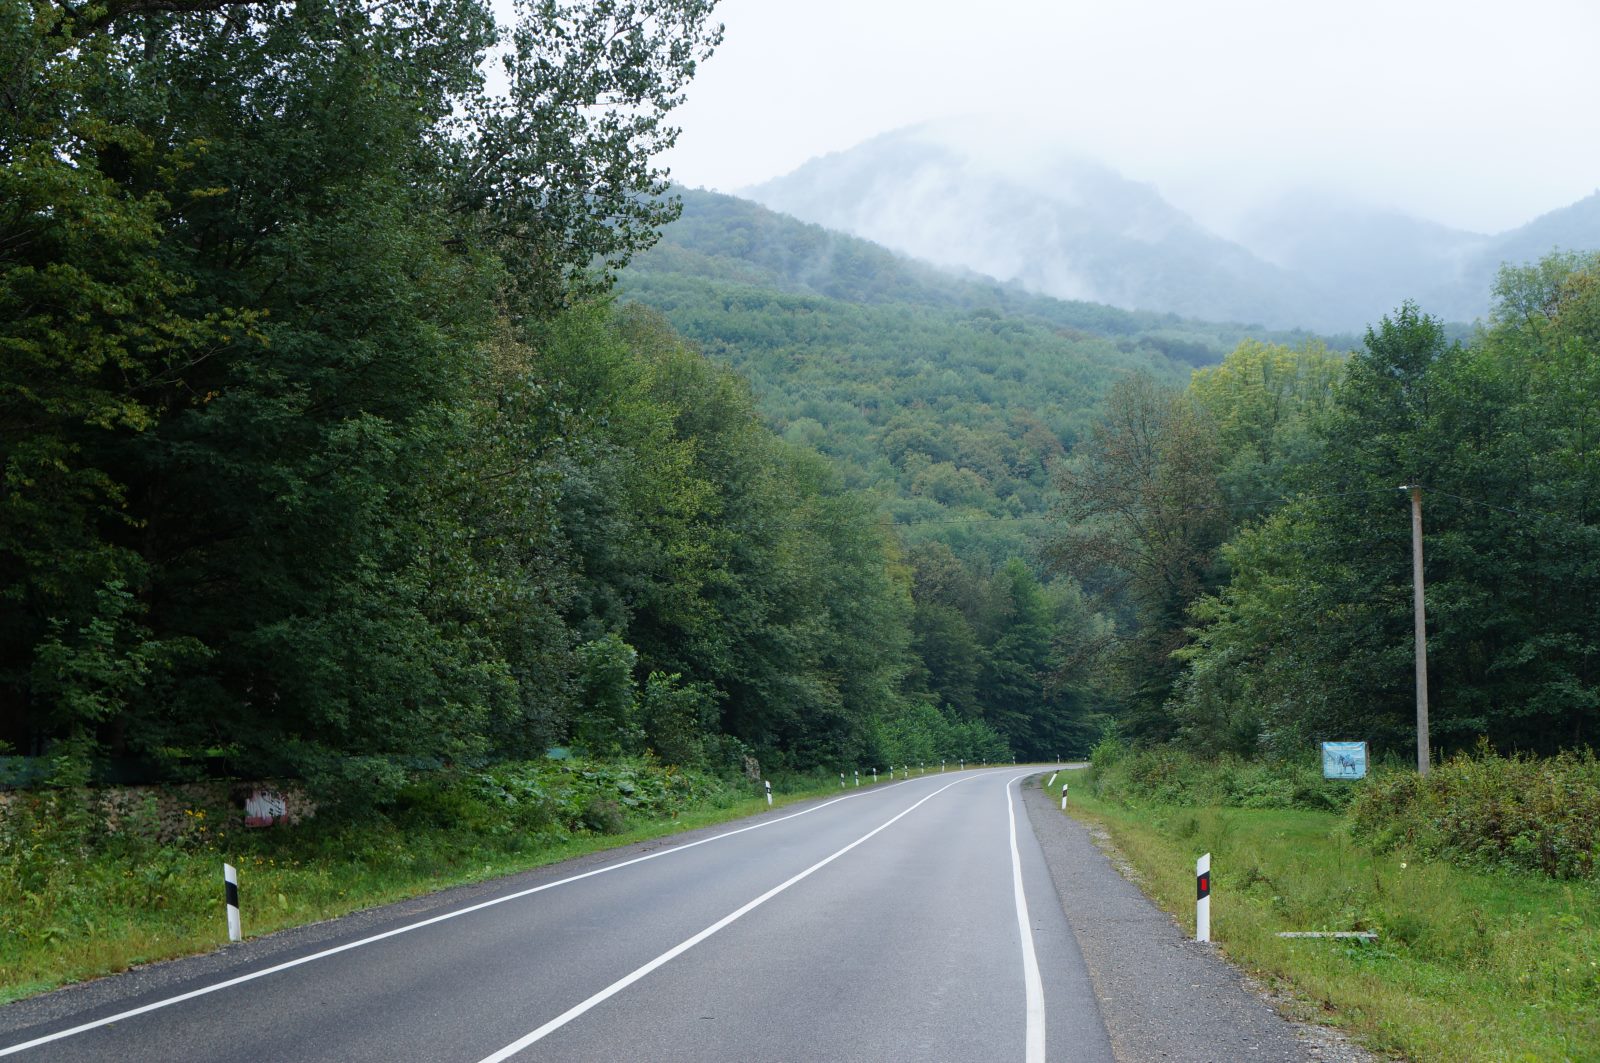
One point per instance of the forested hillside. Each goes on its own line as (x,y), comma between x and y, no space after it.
(947,396)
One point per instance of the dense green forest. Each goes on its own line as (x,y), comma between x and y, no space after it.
(1253,528)
(354,423)
(325,455)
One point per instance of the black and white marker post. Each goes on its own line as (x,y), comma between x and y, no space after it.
(230,892)
(841,780)
(1202,903)
(858,776)
(769,794)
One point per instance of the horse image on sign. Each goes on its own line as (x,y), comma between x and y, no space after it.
(1344,760)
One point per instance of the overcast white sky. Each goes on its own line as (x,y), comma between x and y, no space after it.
(1478,114)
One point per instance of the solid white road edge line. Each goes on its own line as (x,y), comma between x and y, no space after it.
(678,950)
(1030,961)
(252,976)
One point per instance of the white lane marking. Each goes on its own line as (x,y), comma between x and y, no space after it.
(678,950)
(1032,984)
(229,983)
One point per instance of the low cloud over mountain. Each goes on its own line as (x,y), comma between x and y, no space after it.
(964,197)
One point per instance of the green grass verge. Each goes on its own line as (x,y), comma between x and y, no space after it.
(98,911)
(1468,966)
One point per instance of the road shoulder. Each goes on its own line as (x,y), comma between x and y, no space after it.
(1162,995)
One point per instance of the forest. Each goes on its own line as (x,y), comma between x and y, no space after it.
(1255,529)
(361,418)
(327,456)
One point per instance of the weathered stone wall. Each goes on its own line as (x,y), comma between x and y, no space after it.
(178,810)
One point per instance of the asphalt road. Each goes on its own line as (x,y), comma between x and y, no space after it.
(914,920)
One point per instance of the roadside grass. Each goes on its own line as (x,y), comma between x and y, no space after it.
(1468,965)
(95,911)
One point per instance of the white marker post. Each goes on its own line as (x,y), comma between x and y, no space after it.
(1052,781)
(230,893)
(874,776)
(769,794)
(941,767)
(1202,903)
(963,764)
(858,776)
(1064,787)
(841,780)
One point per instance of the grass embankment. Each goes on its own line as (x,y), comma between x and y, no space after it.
(77,901)
(1472,962)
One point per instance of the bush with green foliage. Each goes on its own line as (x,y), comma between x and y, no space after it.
(1525,813)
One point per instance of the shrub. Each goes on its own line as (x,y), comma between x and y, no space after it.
(604,816)
(1536,814)
(1108,750)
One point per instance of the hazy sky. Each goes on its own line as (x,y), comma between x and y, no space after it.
(1477,114)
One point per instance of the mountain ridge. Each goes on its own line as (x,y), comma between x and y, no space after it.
(1071,227)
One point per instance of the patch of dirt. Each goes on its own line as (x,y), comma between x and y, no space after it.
(1103,842)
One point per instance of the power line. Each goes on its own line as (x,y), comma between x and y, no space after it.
(1246,504)
(1521,514)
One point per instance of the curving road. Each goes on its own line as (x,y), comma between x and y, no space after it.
(914,920)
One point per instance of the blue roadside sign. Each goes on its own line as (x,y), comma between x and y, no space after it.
(1344,760)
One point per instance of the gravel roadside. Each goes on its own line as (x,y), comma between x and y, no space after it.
(1163,996)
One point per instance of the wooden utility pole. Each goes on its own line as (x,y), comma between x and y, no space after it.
(1420,616)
